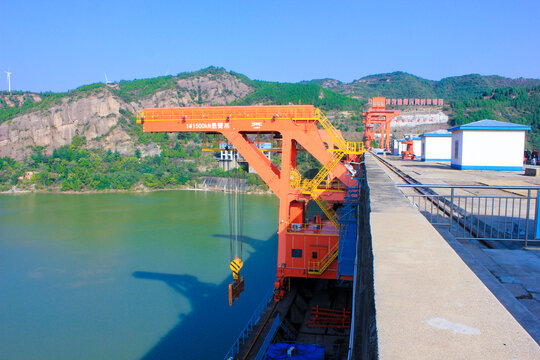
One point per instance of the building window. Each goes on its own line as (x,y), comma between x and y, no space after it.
(296,253)
(456,149)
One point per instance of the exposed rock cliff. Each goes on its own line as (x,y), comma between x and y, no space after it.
(95,114)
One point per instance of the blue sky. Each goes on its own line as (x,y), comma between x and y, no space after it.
(60,45)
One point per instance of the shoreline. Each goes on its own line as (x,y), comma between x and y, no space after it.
(139,189)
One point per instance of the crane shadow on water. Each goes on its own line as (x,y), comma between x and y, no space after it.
(209,329)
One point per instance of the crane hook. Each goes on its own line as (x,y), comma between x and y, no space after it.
(237,285)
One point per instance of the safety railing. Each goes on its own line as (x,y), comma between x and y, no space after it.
(140,116)
(330,128)
(311,187)
(318,267)
(481,212)
(246,331)
(323,173)
(343,148)
(333,185)
(349,147)
(353,147)
(320,317)
(302,227)
(327,209)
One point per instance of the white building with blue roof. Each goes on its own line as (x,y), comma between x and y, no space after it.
(436,146)
(398,147)
(488,145)
(417,145)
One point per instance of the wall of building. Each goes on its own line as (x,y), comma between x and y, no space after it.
(414,119)
(395,147)
(457,141)
(417,148)
(400,148)
(231,159)
(436,148)
(488,150)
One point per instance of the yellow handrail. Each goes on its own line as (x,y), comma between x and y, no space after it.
(329,127)
(325,170)
(140,116)
(318,267)
(311,187)
(327,209)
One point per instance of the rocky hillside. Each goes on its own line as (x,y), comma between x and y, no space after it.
(104,114)
(17,99)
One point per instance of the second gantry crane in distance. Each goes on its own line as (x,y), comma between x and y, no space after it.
(307,247)
(377,119)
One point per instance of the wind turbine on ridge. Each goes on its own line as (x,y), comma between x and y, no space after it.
(8,73)
(108,83)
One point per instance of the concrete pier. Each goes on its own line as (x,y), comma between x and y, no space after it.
(429,303)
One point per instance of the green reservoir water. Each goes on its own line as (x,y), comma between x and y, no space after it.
(127,276)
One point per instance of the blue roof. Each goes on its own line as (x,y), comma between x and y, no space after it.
(491,125)
(410,137)
(437,133)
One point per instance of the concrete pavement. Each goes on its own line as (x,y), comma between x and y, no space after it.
(429,304)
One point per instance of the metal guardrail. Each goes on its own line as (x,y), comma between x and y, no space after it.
(246,331)
(262,350)
(487,216)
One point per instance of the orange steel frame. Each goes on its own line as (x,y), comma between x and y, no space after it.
(408,153)
(378,119)
(297,125)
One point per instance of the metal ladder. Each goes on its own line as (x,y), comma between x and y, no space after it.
(318,267)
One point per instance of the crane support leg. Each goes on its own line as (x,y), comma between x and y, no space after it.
(255,157)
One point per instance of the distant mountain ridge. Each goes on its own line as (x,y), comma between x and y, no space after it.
(396,84)
(403,85)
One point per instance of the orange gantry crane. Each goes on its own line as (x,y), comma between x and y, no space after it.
(307,248)
(378,119)
(408,153)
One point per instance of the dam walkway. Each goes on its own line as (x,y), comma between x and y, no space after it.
(433,298)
